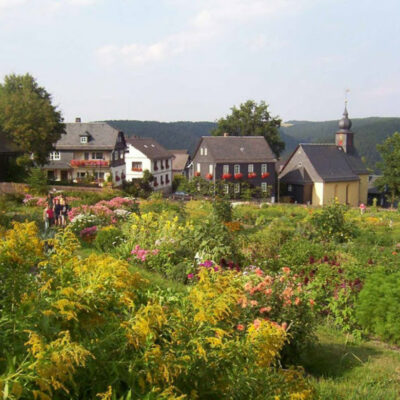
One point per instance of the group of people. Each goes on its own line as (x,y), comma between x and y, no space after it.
(56,211)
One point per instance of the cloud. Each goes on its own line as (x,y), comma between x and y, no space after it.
(213,19)
(8,4)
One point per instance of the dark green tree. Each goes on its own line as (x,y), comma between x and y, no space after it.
(28,117)
(252,119)
(390,167)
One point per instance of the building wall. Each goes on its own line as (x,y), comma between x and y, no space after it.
(134,155)
(364,189)
(318,194)
(338,190)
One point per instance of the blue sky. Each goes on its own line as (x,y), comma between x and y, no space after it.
(174,60)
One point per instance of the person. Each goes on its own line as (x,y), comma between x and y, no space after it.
(49,200)
(64,212)
(57,211)
(48,217)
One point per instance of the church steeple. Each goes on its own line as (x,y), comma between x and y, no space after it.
(344,136)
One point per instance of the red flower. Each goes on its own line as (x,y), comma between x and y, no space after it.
(240,327)
(252,175)
(265,175)
(197,173)
(238,176)
(209,176)
(226,176)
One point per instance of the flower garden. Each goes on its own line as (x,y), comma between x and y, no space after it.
(198,300)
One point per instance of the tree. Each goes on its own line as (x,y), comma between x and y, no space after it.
(28,117)
(390,167)
(252,119)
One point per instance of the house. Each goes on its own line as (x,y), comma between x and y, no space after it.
(8,155)
(180,162)
(319,173)
(236,160)
(146,154)
(92,150)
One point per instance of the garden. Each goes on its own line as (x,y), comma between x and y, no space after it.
(156,299)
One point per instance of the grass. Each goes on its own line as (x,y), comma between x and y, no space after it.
(341,369)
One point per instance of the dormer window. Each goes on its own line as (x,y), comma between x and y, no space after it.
(205,151)
(201,151)
(84,139)
(55,156)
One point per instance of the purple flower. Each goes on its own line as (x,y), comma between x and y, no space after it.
(216,269)
(190,276)
(207,264)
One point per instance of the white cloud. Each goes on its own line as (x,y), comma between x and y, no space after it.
(8,4)
(213,19)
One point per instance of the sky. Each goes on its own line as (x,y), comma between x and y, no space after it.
(192,60)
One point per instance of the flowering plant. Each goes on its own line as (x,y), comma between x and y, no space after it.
(238,176)
(265,175)
(227,176)
(197,173)
(252,175)
(209,176)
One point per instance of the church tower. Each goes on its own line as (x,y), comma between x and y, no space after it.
(344,136)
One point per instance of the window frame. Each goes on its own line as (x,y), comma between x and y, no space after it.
(236,169)
(237,188)
(264,187)
(264,168)
(84,139)
(250,168)
(225,169)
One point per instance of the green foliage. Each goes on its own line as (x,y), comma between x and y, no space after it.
(390,167)
(222,209)
(37,181)
(330,223)
(28,117)
(108,238)
(378,305)
(252,119)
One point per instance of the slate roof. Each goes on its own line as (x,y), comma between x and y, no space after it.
(150,148)
(180,160)
(240,149)
(102,136)
(330,163)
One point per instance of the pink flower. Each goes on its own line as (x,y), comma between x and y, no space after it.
(286,270)
(257,323)
(284,325)
(155,252)
(297,301)
(190,276)
(265,309)
(312,302)
(254,303)
(240,327)
(259,272)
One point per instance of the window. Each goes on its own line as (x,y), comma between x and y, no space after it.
(86,155)
(226,169)
(251,168)
(226,189)
(237,187)
(210,169)
(198,167)
(97,156)
(236,169)
(121,155)
(55,155)
(84,139)
(166,178)
(50,175)
(201,151)
(264,168)
(205,151)
(98,175)
(289,188)
(264,187)
(155,166)
(137,166)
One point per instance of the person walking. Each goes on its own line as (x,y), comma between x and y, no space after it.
(57,212)
(48,217)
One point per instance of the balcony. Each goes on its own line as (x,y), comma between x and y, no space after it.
(137,169)
(90,163)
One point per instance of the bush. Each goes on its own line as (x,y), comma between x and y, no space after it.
(331,224)
(222,209)
(377,308)
(108,238)
(37,180)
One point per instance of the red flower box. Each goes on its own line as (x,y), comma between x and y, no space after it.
(265,175)
(209,176)
(197,173)
(238,176)
(226,176)
(117,178)
(252,175)
(155,184)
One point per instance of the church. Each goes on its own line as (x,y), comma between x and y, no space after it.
(318,173)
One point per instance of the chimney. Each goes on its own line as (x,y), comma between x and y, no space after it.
(226,134)
(78,119)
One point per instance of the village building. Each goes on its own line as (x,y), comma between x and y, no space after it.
(147,154)
(236,160)
(88,151)
(320,173)
(180,163)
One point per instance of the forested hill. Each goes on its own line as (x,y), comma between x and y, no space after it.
(185,135)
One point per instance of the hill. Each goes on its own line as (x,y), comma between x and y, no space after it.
(185,135)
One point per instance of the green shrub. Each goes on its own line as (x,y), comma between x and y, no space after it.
(378,305)
(222,209)
(37,180)
(108,238)
(330,223)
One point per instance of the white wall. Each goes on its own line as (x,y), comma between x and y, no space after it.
(134,155)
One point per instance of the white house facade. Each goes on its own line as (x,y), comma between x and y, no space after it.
(146,154)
